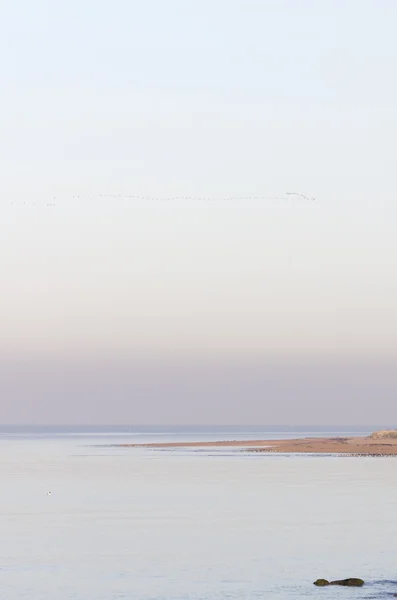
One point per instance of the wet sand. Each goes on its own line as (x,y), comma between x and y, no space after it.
(361,446)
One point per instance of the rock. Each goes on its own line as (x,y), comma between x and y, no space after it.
(321,582)
(351,582)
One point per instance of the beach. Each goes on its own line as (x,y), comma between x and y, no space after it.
(360,446)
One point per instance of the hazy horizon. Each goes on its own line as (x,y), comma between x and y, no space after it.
(244,309)
(206,394)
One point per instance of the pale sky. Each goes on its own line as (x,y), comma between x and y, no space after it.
(198,99)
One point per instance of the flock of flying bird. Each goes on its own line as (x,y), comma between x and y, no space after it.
(55,201)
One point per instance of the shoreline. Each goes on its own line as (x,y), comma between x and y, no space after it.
(361,446)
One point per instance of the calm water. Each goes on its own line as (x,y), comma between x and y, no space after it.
(147,524)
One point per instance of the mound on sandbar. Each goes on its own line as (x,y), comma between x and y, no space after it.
(386,434)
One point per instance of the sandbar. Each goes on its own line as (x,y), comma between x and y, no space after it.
(361,446)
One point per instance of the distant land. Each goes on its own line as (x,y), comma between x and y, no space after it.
(379,443)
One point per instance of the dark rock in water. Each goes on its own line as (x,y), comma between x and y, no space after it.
(351,582)
(321,582)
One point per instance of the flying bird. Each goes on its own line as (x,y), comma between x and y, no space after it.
(300,195)
(55,201)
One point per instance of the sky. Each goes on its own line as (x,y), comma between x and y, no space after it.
(165,137)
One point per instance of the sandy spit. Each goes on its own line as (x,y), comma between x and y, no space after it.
(364,446)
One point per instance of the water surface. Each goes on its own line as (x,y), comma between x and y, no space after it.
(146,524)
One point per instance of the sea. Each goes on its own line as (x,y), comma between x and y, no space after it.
(84,518)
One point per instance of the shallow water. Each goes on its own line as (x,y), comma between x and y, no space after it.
(146,524)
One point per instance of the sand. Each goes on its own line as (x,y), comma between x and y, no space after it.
(361,446)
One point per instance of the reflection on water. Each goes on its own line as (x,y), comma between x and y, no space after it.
(141,524)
